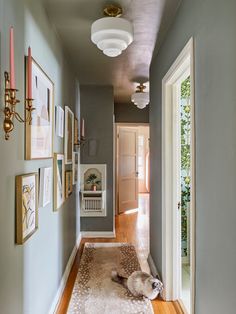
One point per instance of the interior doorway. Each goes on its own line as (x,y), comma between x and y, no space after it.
(178,173)
(132,165)
(132,184)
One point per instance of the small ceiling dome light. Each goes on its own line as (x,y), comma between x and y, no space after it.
(112,34)
(140,98)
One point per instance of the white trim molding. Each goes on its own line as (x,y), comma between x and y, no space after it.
(56,300)
(153,268)
(171,250)
(98,234)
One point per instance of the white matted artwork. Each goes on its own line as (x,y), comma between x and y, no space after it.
(39,134)
(59,181)
(45,186)
(59,121)
(69,135)
(76,165)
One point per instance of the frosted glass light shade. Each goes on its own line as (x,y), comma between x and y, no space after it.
(112,35)
(140,99)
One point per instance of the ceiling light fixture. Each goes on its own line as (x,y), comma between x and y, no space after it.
(112,34)
(140,98)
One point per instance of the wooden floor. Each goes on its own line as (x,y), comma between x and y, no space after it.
(132,228)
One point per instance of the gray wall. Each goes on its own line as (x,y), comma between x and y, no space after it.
(97,108)
(129,113)
(212,23)
(30,274)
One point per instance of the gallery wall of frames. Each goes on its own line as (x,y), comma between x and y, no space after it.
(43,122)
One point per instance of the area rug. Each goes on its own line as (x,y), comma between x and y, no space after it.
(95,293)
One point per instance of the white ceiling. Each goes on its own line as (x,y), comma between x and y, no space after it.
(73,20)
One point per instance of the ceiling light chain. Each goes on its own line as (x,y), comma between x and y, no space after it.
(112,10)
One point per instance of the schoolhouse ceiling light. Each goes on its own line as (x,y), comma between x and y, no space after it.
(140,98)
(112,34)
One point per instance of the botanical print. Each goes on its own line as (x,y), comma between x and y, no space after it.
(59,181)
(39,134)
(29,205)
(26,206)
(59,185)
(69,183)
(59,121)
(69,135)
(69,128)
(45,186)
(75,167)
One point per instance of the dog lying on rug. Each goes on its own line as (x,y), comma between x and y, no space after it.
(139,284)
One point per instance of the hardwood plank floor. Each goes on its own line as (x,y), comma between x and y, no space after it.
(132,228)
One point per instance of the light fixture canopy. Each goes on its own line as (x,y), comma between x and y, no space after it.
(112,34)
(140,98)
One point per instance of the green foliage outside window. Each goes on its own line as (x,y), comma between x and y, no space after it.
(185,160)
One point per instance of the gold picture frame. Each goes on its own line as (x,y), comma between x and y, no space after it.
(58,180)
(69,183)
(26,206)
(39,134)
(75,167)
(76,132)
(69,135)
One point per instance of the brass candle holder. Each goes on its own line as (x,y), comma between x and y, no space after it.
(80,142)
(10,108)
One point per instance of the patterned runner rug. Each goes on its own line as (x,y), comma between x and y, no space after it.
(95,293)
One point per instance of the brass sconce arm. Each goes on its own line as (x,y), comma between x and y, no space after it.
(10,108)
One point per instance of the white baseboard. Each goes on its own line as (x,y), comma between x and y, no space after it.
(153,268)
(65,276)
(98,234)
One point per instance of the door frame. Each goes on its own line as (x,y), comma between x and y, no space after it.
(170,229)
(117,125)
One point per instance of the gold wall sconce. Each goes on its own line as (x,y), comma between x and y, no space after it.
(10,112)
(81,140)
(10,97)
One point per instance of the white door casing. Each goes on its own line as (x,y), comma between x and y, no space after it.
(171,193)
(127,169)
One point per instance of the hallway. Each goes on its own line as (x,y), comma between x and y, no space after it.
(131,227)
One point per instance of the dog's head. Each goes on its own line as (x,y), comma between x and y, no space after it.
(157,285)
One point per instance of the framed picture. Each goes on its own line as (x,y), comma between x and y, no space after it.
(75,170)
(69,135)
(59,180)
(76,132)
(59,121)
(45,186)
(26,206)
(69,183)
(39,134)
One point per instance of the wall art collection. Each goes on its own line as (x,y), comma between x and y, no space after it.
(32,190)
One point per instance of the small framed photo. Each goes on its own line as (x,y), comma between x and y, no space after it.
(45,186)
(69,135)
(59,181)
(75,170)
(59,121)
(76,132)
(26,206)
(69,183)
